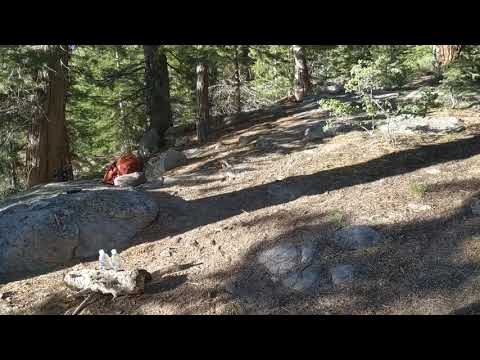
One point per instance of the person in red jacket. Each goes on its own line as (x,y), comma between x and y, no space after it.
(126,164)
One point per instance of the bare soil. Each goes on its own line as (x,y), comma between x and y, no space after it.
(216,216)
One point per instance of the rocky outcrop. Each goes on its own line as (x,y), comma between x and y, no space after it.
(58,224)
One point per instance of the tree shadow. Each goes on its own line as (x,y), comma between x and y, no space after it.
(177,215)
(207,210)
(417,262)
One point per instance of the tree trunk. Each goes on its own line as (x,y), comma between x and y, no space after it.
(48,155)
(302,77)
(246,71)
(203,110)
(13,166)
(157,92)
(446,54)
(238,100)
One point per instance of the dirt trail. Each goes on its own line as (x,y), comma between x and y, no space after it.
(219,217)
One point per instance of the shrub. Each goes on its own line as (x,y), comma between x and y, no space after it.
(368,76)
(337,107)
(419,190)
(422,105)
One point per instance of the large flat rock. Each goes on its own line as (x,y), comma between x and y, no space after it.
(405,125)
(289,265)
(55,225)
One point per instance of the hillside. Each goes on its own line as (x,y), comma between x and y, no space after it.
(261,184)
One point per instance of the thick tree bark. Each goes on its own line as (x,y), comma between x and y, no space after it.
(157,92)
(302,78)
(446,54)
(238,100)
(48,155)
(203,110)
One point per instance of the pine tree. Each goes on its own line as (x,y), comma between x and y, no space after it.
(157,89)
(203,112)
(48,154)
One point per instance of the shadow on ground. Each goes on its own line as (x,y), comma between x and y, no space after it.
(178,216)
(419,268)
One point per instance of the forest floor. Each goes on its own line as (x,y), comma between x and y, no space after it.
(417,194)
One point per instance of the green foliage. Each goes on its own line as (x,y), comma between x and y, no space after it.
(418,60)
(337,107)
(462,78)
(105,111)
(421,106)
(419,190)
(273,71)
(367,77)
(337,218)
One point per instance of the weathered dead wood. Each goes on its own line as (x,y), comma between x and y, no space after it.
(115,283)
(88,301)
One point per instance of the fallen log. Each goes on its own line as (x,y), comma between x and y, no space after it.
(116,283)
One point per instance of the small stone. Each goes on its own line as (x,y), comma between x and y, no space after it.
(315,132)
(133,179)
(168,160)
(419,207)
(6,295)
(213,242)
(475,207)
(357,237)
(433,171)
(263,143)
(195,243)
(302,281)
(342,275)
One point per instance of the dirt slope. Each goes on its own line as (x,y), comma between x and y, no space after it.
(218,216)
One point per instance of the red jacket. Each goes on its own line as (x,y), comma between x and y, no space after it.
(126,164)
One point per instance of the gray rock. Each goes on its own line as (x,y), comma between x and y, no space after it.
(405,125)
(357,237)
(58,224)
(264,143)
(154,184)
(433,171)
(168,160)
(315,132)
(149,143)
(475,206)
(303,281)
(280,259)
(289,264)
(342,275)
(192,153)
(332,89)
(245,139)
(322,130)
(181,141)
(133,179)
(336,128)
